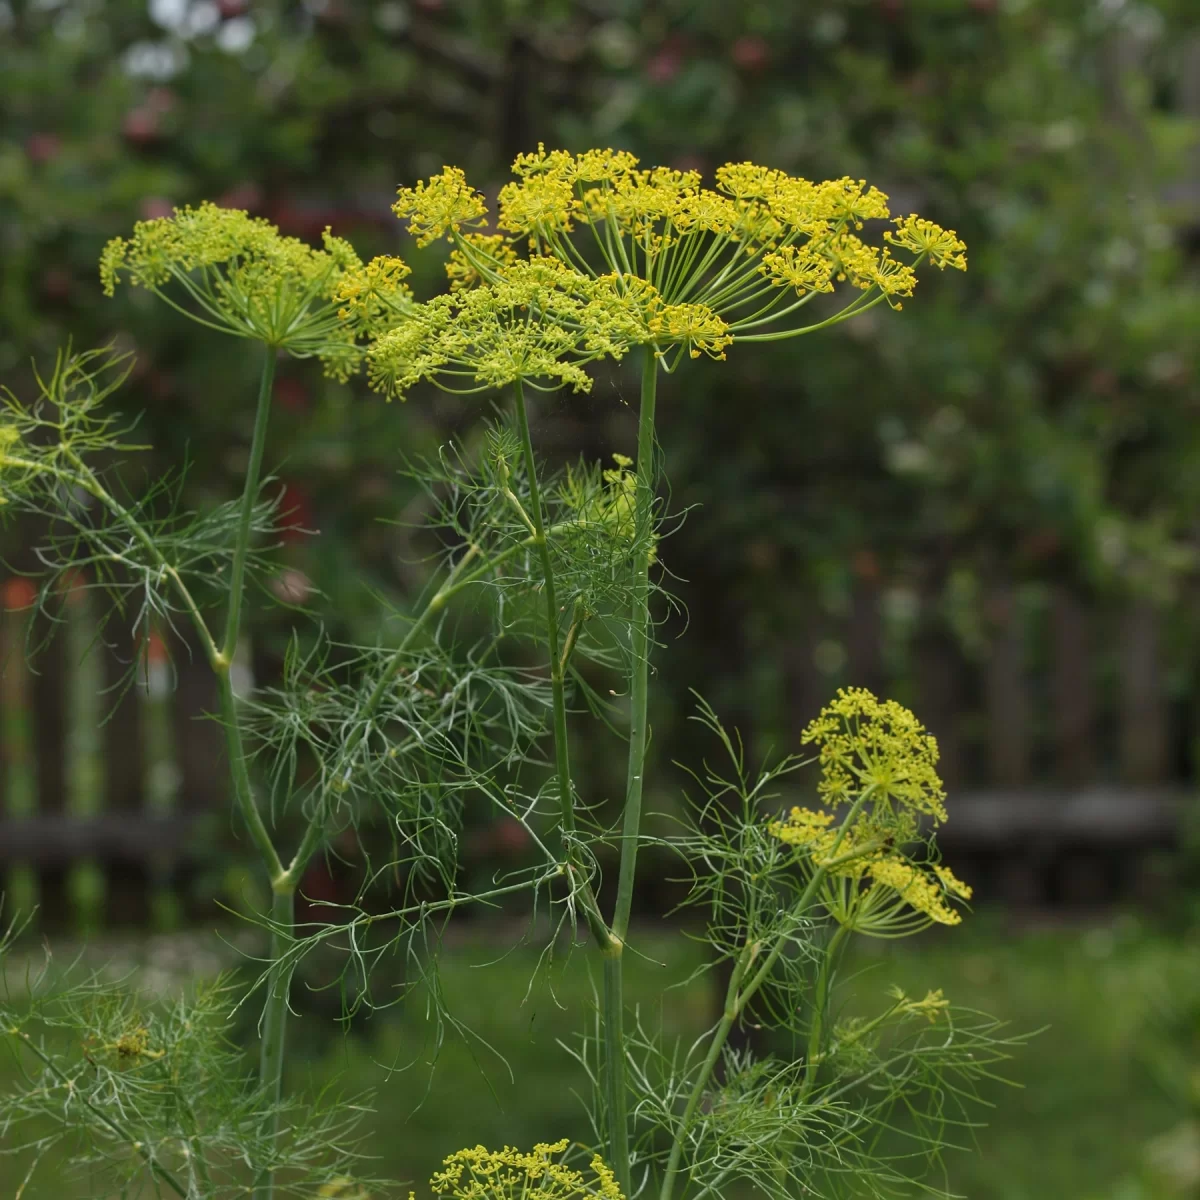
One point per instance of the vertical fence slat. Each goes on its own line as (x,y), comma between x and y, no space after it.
(938,675)
(48,710)
(1006,694)
(1072,717)
(199,746)
(1143,712)
(127,882)
(864,638)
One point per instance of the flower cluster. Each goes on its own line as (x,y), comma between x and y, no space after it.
(508,1174)
(874,883)
(876,757)
(374,297)
(866,743)
(243,277)
(537,321)
(440,206)
(666,262)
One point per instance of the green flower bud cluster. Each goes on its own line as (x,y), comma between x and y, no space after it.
(238,274)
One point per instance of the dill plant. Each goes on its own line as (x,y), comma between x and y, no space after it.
(590,258)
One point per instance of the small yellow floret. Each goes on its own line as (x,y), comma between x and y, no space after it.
(943,247)
(440,206)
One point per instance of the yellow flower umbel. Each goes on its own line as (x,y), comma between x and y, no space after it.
(877,759)
(705,267)
(508,1174)
(536,322)
(238,274)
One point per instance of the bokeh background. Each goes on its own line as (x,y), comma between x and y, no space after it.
(985,506)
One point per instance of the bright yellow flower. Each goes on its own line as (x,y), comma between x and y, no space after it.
(943,246)
(539,206)
(508,1174)
(375,296)
(801,267)
(866,742)
(440,206)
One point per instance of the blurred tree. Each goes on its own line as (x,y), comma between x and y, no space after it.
(1034,419)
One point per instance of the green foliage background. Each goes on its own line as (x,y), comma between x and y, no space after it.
(1034,417)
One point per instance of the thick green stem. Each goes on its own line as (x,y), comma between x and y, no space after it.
(566,799)
(616,1092)
(241,549)
(238,768)
(816,1030)
(647,478)
(274,1024)
(613,1016)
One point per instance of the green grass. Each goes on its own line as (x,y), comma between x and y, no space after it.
(1093,1088)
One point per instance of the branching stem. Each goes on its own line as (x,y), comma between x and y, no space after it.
(737,998)
(578,877)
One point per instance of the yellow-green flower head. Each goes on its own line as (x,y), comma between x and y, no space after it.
(593,166)
(916,886)
(932,1005)
(804,268)
(374,297)
(440,206)
(675,263)
(237,273)
(540,206)
(942,246)
(528,324)
(634,312)
(878,744)
(508,1174)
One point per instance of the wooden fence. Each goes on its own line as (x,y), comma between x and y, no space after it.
(1066,744)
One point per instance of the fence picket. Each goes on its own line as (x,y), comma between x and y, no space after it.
(127,880)
(48,684)
(198,743)
(1143,714)
(1006,695)
(1071,689)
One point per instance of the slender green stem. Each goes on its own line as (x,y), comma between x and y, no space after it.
(566,798)
(616,1086)
(720,1036)
(820,1006)
(274,1024)
(243,789)
(241,550)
